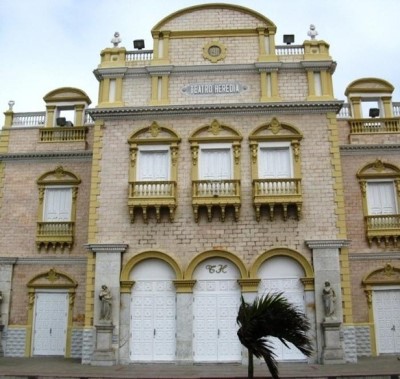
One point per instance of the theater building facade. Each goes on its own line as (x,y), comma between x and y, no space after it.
(217,165)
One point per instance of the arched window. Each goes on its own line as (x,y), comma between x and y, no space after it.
(380,188)
(58,191)
(153,171)
(276,168)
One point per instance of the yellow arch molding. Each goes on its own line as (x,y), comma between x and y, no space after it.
(285,252)
(149,255)
(214,254)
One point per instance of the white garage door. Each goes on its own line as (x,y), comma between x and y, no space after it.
(153,310)
(386,305)
(216,303)
(282,274)
(50,323)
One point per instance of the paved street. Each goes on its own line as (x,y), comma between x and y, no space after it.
(381,367)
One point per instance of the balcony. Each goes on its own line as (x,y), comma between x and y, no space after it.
(152,194)
(53,233)
(272,192)
(218,193)
(377,125)
(63,134)
(384,228)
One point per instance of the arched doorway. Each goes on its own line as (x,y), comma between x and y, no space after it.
(283,274)
(216,300)
(153,311)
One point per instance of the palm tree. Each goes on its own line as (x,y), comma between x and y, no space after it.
(271,316)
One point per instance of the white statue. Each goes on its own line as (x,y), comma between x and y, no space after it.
(105,298)
(116,39)
(329,299)
(312,33)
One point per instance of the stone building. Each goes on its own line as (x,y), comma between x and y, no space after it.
(216,165)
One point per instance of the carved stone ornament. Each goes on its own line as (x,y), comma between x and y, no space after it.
(388,270)
(133,156)
(195,154)
(236,154)
(254,152)
(59,172)
(52,275)
(174,155)
(275,126)
(379,166)
(296,150)
(154,129)
(215,127)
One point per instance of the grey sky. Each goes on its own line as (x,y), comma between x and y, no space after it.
(46,44)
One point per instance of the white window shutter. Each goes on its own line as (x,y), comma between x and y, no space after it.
(381,198)
(153,165)
(216,164)
(58,202)
(274,162)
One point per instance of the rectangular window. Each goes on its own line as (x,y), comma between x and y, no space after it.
(57,204)
(275,161)
(381,198)
(153,163)
(317,83)
(215,162)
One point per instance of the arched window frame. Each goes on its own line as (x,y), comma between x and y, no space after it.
(153,194)
(270,192)
(56,233)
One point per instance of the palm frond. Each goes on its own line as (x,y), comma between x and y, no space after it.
(272,316)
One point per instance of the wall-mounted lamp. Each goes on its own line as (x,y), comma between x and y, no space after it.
(288,38)
(374,112)
(138,44)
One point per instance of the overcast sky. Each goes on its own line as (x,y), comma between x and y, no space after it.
(46,44)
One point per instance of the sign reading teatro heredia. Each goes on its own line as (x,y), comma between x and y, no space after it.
(226,88)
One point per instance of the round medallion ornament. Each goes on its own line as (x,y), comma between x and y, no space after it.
(214,51)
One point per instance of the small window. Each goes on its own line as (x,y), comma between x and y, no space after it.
(381,198)
(275,161)
(57,204)
(215,162)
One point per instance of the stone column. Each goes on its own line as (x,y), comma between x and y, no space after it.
(184,320)
(108,271)
(6,271)
(327,269)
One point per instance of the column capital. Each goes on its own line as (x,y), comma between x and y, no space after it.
(327,244)
(107,247)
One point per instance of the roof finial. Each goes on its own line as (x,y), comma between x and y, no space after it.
(312,33)
(10,105)
(116,39)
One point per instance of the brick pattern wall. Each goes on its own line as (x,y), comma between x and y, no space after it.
(184,239)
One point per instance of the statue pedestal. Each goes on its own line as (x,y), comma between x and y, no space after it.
(333,351)
(104,354)
(1,344)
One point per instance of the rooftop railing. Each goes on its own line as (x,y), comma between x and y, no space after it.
(34,119)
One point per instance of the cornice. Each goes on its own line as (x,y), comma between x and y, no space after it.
(327,244)
(374,256)
(369,149)
(82,155)
(44,261)
(302,107)
(107,247)
(215,69)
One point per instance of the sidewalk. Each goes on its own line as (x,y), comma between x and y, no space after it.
(387,367)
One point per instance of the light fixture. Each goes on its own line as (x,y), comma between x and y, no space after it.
(61,121)
(374,112)
(288,38)
(138,44)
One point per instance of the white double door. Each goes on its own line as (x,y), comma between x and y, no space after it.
(214,324)
(386,304)
(153,321)
(50,323)
(293,291)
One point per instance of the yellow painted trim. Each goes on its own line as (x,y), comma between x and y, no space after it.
(340,215)
(282,252)
(66,94)
(94,205)
(369,85)
(203,133)
(126,270)
(195,8)
(214,254)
